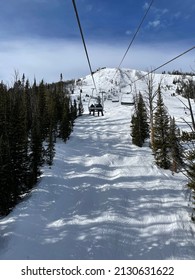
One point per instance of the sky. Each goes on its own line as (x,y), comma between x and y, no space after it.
(41,37)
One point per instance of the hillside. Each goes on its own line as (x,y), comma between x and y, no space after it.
(127,82)
(104,198)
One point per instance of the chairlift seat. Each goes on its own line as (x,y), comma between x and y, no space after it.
(96,108)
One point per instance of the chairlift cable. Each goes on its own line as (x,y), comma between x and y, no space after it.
(83,40)
(130,44)
(157,68)
(149,7)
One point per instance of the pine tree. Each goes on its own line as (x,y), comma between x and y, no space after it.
(139,124)
(52,128)
(80,104)
(18,141)
(136,140)
(42,109)
(66,124)
(13,147)
(191,181)
(37,133)
(30,120)
(6,182)
(6,179)
(161,145)
(191,168)
(176,151)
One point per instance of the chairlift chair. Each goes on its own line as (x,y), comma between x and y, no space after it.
(95,105)
(127,99)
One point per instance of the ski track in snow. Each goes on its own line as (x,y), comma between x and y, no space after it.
(103,198)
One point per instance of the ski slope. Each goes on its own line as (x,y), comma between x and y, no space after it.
(103,198)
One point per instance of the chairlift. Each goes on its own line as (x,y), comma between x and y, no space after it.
(127,99)
(96,105)
(115,99)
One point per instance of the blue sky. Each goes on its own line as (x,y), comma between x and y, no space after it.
(42,39)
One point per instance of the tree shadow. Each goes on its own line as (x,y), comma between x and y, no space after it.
(100,200)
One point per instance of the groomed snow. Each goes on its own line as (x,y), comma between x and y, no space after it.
(103,198)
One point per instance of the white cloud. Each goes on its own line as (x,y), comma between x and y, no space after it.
(47,59)
(164,11)
(154,23)
(177,15)
(89,8)
(146,6)
(128,32)
(41,59)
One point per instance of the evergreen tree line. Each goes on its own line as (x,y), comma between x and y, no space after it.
(165,142)
(172,149)
(185,87)
(177,72)
(167,148)
(31,118)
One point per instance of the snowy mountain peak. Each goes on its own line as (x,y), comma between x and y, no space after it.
(119,80)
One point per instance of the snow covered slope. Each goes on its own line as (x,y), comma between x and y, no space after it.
(125,83)
(103,198)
